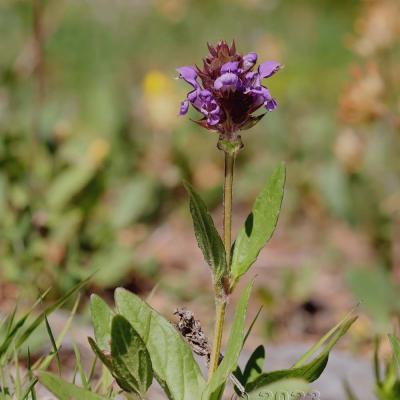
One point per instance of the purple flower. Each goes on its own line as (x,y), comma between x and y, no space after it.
(227,90)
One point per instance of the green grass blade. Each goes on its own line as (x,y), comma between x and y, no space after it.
(80,367)
(18,325)
(53,344)
(43,364)
(38,320)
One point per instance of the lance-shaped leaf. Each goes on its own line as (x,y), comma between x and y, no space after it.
(216,385)
(64,390)
(259,225)
(308,372)
(130,359)
(207,235)
(173,364)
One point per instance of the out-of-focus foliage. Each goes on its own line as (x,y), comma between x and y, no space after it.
(387,380)
(92,152)
(90,141)
(368,142)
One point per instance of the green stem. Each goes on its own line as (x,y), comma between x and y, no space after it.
(221,300)
(220,306)
(229,165)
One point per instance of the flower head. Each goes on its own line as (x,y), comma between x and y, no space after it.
(227,90)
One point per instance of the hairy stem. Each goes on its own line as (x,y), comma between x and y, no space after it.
(220,301)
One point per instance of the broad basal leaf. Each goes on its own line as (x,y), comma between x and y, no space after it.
(101,319)
(130,359)
(259,225)
(308,372)
(64,390)
(173,363)
(207,235)
(216,385)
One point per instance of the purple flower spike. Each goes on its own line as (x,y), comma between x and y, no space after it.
(227,90)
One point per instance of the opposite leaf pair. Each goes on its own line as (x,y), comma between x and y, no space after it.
(257,230)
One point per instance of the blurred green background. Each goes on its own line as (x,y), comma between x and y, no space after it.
(93,153)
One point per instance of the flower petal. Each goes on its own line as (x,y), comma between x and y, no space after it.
(189,75)
(227,81)
(268,68)
(231,66)
(249,61)
(184,107)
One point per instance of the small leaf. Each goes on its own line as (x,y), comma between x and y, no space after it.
(130,359)
(252,370)
(259,225)
(64,390)
(173,364)
(207,235)
(101,319)
(286,388)
(330,338)
(395,342)
(309,372)
(216,385)
(254,365)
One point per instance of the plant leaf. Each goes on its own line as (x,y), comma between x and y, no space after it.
(395,342)
(207,235)
(309,372)
(65,390)
(130,359)
(255,365)
(252,370)
(259,225)
(286,388)
(216,385)
(331,338)
(173,363)
(105,359)
(101,319)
